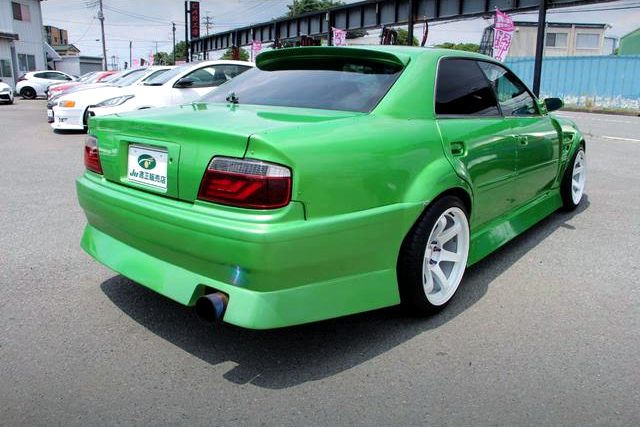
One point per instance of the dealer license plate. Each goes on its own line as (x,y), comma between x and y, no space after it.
(50,115)
(148,166)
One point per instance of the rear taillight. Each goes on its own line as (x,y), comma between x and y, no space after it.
(246,183)
(91,154)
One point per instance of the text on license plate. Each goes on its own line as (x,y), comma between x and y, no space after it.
(148,166)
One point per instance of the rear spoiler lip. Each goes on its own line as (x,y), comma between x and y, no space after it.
(267,60)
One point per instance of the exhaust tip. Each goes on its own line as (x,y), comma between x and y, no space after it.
(210,308)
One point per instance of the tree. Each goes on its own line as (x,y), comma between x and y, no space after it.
(469,47)
(298,7)
(244,55)
(162,58)
(403,38)
(181,49)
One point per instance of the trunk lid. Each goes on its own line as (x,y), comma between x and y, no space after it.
(187,137)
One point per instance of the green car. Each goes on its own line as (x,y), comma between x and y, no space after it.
(327,181)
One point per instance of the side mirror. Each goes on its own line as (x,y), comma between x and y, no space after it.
(184,82)
(553,104)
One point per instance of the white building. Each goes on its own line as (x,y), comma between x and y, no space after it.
(22,46)
(561,39)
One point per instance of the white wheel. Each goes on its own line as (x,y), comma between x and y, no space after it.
(574,180)
(578,177)
(445,257)
(434,256)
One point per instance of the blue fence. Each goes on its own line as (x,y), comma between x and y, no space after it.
(598,81)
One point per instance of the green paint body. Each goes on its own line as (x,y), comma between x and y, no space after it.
(360,182)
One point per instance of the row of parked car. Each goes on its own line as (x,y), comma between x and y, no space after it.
(71,103)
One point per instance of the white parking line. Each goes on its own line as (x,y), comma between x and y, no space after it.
(596,120)
(617,138)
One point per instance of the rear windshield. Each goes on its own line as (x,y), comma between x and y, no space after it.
(343,84)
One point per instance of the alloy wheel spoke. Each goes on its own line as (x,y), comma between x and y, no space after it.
(575,185)
(427,279)
(450,233)
(438,275)
(578,170)
(440,225)
(446,255)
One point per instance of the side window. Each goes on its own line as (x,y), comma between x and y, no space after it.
(206,77)
(513,97)
(41,75)
(230,71)
(462,89)
(57,76)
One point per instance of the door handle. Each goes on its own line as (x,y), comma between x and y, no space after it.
(522,139)
(457,148)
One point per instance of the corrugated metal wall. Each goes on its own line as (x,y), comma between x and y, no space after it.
(600,81)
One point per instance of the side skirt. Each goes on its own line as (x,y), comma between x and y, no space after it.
(498,232)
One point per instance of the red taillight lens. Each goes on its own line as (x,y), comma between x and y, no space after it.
(246,183)
(91,154)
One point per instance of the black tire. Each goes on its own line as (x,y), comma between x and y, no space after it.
(568,202)
(28,92)
(412,257)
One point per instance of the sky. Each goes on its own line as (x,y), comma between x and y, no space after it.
(147,23)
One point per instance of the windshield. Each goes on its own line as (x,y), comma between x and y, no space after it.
(165,77)
(339,84)
(131,78)
(87,76)
(113,77)
(155,74)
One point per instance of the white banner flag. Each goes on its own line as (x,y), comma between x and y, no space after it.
(339,37)
(503,34)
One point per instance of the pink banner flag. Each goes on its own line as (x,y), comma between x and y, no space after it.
(256,47)
(151,59)
(339,37)
(136,63)
(503,34)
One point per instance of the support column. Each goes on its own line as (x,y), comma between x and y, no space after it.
(537,69)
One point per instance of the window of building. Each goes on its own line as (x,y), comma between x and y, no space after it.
(588,41)
(556,40)
(26,62)
(462,89)
(20,12)
(5,68)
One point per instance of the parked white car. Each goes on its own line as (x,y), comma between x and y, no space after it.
(183,84)
(6,94)
(35,83)
(70,110)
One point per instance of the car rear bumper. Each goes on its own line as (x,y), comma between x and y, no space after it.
(68,118)
(276,273)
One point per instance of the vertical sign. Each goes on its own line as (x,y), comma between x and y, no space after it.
(503,33)
(339,37)
(256,47)
(195,19)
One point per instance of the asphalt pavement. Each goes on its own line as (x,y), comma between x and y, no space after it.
(546,331)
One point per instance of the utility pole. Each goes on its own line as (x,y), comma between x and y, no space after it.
(207,21)
(187,11)
(130,61)
(104,47)
(174,42)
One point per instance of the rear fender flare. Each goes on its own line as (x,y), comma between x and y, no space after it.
(436,179)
